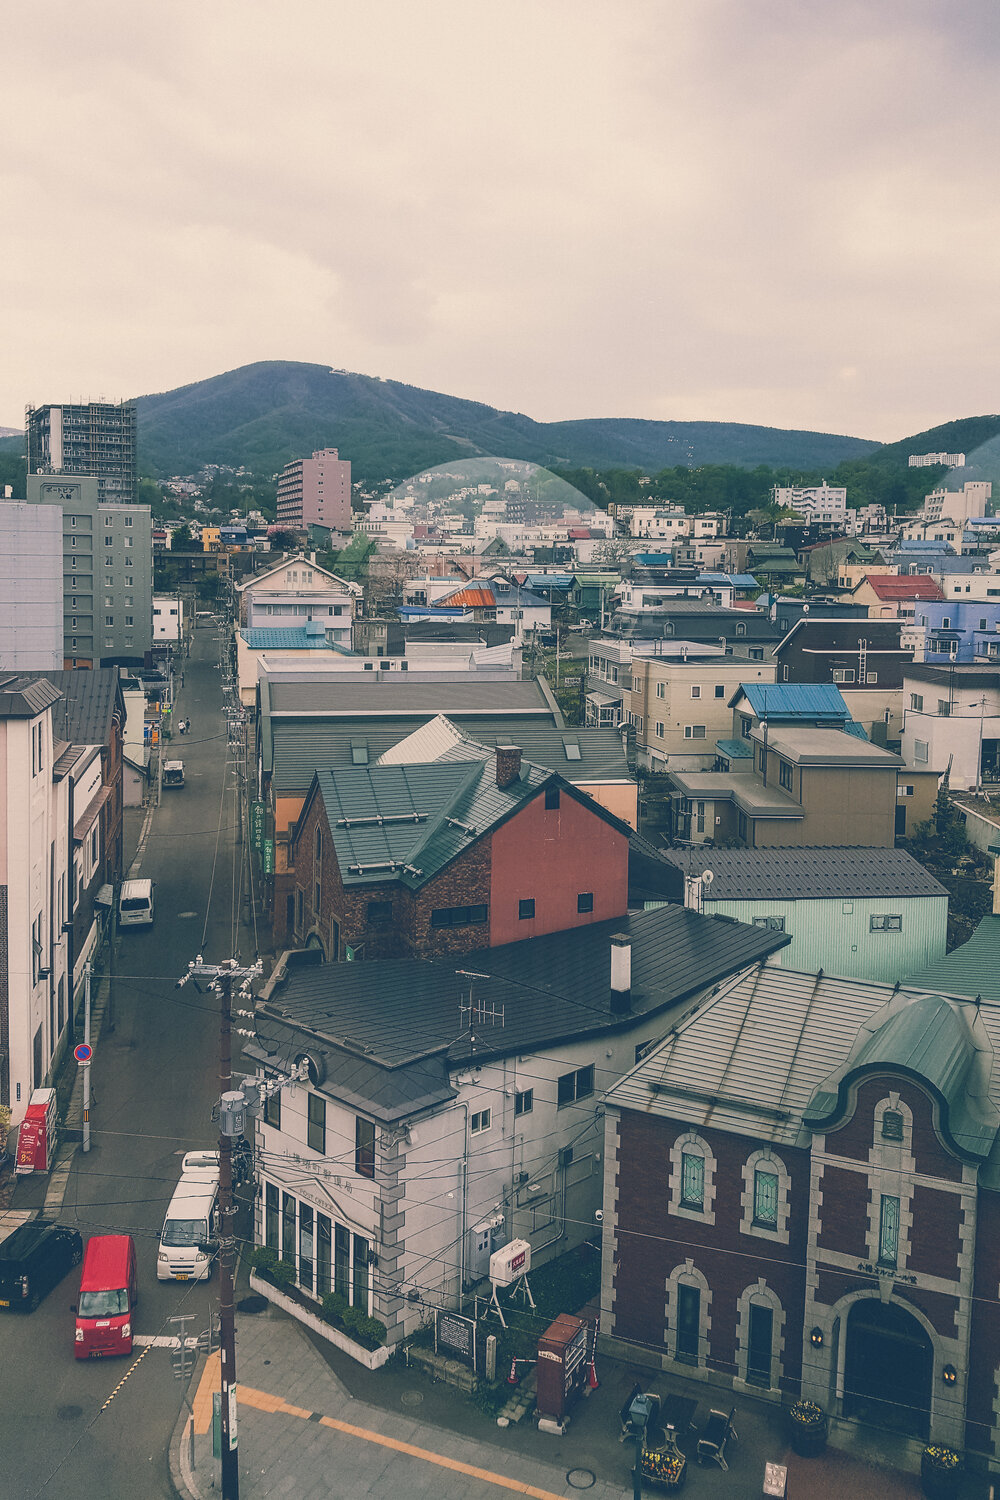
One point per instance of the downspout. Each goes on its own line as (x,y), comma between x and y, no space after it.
(463,1207)
(69,916)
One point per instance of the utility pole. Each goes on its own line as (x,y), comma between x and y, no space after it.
(231,1120)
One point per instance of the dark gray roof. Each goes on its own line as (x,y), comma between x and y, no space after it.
(364,695)
(956,677)
(390,1030)
(25,694)
(810,873)
(89,701)
(301,748)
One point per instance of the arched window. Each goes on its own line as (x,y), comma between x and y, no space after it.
(692,1179)
(760,1324)
(689,1299)
(765,1196)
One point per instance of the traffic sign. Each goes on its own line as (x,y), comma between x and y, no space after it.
(83,1052)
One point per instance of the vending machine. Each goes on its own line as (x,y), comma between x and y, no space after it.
(38,1135)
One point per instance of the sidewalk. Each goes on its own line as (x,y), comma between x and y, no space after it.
(303,1434)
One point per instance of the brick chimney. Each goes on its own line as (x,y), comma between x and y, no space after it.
(508,764)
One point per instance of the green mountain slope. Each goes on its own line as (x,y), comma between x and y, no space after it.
(265,414)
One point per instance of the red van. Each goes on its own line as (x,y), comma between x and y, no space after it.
(107,1297)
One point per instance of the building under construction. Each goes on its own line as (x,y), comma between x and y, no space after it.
(95,439)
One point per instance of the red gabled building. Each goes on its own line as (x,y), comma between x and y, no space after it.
(399,861)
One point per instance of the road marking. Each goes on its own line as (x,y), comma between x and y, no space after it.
(261,1401)
(133,1366)
(163,1341)
(211,1381)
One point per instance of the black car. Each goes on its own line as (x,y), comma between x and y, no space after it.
(34,1259)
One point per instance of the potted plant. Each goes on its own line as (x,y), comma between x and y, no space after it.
(664,1467)
(940,1471)
(807,1428)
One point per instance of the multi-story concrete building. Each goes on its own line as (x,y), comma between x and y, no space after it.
(107,572)
(31,587)
(931,460)
(958,505)
(316,491)
(679,706)
(95,438)
(814,502)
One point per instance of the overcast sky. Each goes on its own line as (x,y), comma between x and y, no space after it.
(773,211)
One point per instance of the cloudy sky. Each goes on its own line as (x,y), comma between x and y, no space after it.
(772,211)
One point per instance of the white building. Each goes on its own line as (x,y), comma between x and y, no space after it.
(813,502)
(958,505)
(34,865)
(931,460)
(31,587)
(168,618)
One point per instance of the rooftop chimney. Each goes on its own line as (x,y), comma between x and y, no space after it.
(508,764)
(621,972)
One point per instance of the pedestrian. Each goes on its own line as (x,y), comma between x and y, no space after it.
(180,726)
(187,726)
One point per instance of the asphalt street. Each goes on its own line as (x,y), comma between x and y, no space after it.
(154,1083)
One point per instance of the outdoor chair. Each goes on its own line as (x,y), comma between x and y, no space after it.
(712,1443)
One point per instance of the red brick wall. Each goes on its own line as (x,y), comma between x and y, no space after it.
(856,1136)
(984,1342)
(935,1246)
(554,856)
(844,1212)
(938,1307)
(651,1243)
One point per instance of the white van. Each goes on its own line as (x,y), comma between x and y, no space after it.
(135,904)
(186,1250)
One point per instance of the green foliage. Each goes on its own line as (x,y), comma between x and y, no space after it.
(263,1258)
(13,467)
(335,1305)
(181,537)
(282,1273)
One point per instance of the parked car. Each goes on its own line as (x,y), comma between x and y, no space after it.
(137,903)
(34,1259)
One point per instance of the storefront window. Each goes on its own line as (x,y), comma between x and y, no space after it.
(342,1261)
(323,1250)
(306,1247)
(360,1298)
(271,1215)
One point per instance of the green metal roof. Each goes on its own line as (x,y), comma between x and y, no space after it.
(735,749)
(932,1040)
(406,823)
(972,970)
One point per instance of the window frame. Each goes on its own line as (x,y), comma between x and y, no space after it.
(316,1122)
(364,1147)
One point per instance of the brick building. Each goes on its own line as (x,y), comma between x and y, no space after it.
(801,1196)
(397,861)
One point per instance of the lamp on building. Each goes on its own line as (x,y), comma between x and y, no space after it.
(816,1338)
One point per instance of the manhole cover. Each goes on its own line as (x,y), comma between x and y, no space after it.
(69,1413)
(252,1305)
(411,1398)
(581,1479)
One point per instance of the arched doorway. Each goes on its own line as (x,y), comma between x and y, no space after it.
(888,1367)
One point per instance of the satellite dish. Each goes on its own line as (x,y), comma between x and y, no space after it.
(707,877)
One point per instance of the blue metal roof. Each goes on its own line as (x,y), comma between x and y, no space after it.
(735,580)
(292,638)
(796,700)
(560,581)
(858,730)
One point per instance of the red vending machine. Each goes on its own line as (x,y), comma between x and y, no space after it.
(38,1135)
(561,1371)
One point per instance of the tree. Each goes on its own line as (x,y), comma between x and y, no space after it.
(181,537)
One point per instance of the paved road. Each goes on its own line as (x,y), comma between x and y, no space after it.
(154,1083)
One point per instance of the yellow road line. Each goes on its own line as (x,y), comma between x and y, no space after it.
(264,1402)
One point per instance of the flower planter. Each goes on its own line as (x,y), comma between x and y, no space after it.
(806,1425)
(372,1358)
(940,1480)
(665,1470)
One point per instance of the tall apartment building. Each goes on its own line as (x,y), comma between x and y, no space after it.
(316,491)
(96,439)
(107,571)
(31,583)
(959,505)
